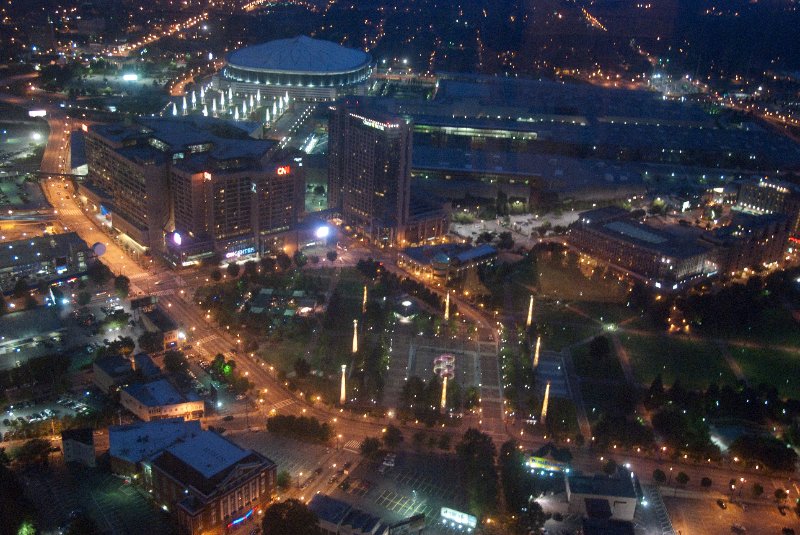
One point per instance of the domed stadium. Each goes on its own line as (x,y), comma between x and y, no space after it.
(306,68)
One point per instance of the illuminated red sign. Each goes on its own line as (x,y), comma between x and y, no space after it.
(284,170)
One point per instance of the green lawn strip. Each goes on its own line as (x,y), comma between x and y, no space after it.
(769,366)
(696,363)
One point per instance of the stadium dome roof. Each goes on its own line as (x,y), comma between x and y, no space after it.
(299,55)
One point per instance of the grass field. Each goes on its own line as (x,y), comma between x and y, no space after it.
(696,363)
(777,368)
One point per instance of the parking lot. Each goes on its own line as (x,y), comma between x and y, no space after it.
(116,507)
(705,517)
(19,415)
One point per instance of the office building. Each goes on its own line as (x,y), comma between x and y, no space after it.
(111,372)
(667,261)
(450,262)
(158,399)
(157,321)
(203,181)
(43,258)
(765,196)
(369,170)
(209,484)
(749,241)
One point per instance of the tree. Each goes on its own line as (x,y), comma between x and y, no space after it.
(332,255)
(216,275)
(705,482)
(392,437)
(5,460)
(99,273)
(659,476)
(780,494)
(300,259)
(758,490)
(536,516)
(84,298)
(122,285)
(3,305)
(33,452)
(505,240)
(291,517)
(251,268)
(175,361)
(267,264)
(370,447)
(301,367)
(82,525)
(233,270)
(151,342)
(682,479)
(476,453)
(283,480)
(283,261)
(21,288)
(444,442)
(610,468)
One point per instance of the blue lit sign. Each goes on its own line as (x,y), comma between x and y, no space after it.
(241,519)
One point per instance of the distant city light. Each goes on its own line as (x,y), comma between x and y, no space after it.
(130,77)
(322,232)
(176,238)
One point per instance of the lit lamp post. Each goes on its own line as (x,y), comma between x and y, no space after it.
(364,301)
(355,336)
(546,401)
(536,352)
(342,388)
(447,307)
(529,320)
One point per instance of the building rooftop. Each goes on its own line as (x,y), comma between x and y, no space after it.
(57,247)
(115,366)
(29,323)
(208,453)
(137,442)
(329,509)
(145,365)
(84,435)
(161,320)
(621,485)
(299,55)
(155,393)
(203,460)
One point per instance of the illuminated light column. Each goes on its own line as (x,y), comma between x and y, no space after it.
(258,96)
(447,307)
(244,108)
(194,100)
(530,313)
(222,101)
(546,400)
(536,353)
(214,107)
(184,104)
(203,95)
(355,336)
(364,301)
(267,117)
(174,109)
(236,114)
(251,101)
(274,109)
(205,110)
(443,404)
(342,389)
(230,94)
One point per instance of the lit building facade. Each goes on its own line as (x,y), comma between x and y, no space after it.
(48,258)
(369,171)
(210,485)
(764,196)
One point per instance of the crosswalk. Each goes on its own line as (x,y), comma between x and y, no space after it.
(352,446)
(281,404)
(205,339)
(653,495)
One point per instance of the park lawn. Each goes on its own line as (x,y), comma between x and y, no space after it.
(775,327)
(695,363)
(591,368)
(598,397)
(564,280)
(282,354)
(769,366)
(606,312)
(562,327)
